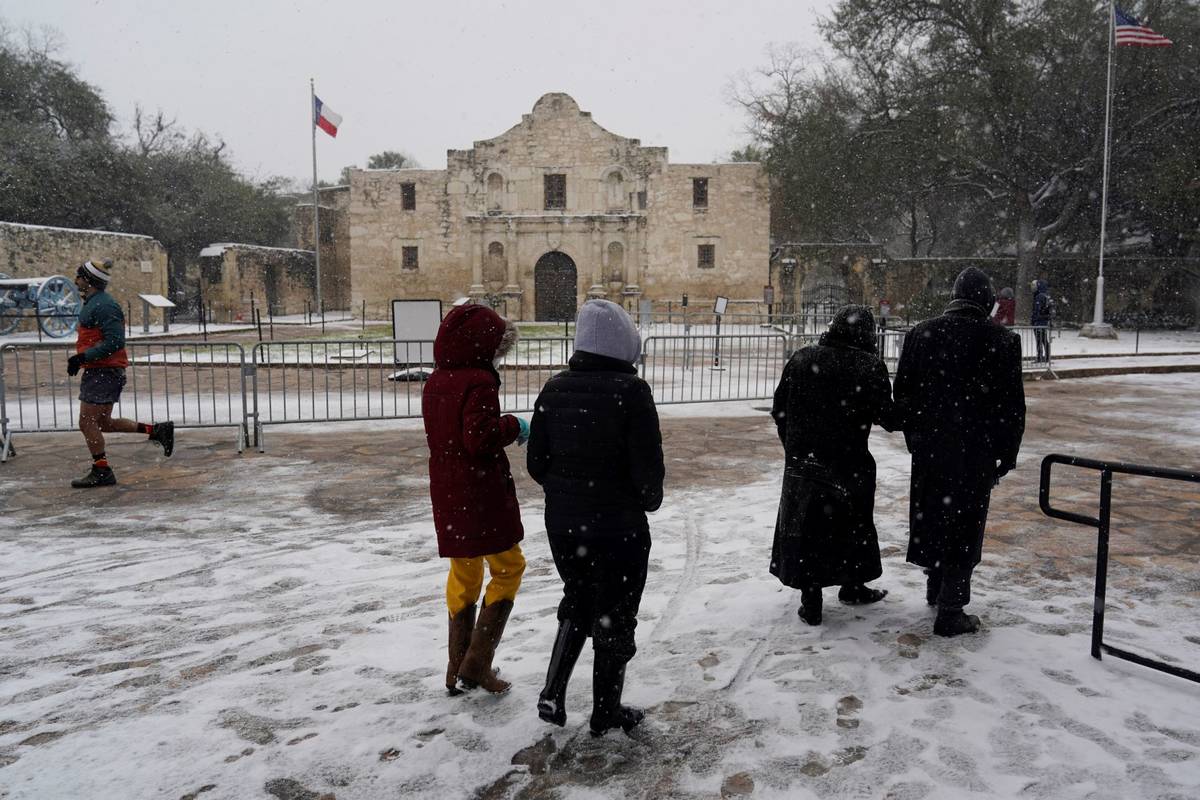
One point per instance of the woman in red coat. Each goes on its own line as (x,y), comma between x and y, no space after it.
(475,507)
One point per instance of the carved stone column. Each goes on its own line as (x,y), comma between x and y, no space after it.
(512,290)
(477,291)
(597,290)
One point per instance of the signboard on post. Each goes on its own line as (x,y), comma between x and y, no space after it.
(415,325)
(769,294)
(150,301)
(720,305)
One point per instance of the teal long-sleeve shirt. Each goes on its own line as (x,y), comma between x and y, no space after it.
(101,327)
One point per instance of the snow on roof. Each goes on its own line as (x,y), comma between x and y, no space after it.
(219,248)
(77,230)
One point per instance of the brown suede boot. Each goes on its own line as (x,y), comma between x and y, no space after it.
(461,626)
(476,667)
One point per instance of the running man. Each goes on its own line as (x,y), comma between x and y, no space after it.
(100,353)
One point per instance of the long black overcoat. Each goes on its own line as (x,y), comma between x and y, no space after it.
(825,404)
(959,385)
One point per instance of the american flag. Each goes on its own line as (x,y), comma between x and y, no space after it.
(1132,33)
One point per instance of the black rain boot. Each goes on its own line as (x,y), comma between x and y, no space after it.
(608,683)
(164,434)
(96,476)
(953,622)
(810,606)
(568,644)
(859,594)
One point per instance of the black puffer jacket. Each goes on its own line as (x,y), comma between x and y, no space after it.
(596,448)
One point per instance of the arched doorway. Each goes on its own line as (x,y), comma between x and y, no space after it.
(554,281)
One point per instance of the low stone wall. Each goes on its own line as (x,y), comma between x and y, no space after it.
(279,280)
(139,262)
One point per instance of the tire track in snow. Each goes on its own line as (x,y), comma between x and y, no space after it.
(694,542)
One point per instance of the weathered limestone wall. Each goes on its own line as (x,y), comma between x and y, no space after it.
(736,222)
(334,214)
(280,280)
(139,262)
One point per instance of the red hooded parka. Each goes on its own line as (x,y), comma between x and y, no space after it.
(475,507)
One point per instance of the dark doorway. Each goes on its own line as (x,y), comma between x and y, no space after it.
(554,282)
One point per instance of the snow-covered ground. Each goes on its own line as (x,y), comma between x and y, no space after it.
(273,625)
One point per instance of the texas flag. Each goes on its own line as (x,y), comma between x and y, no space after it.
(325,118)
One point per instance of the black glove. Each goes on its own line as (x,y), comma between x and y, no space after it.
(74,364)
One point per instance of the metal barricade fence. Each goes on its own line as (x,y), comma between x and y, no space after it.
(194,384)
(709,368)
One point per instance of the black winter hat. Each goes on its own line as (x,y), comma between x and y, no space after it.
(852,326)
(973,286)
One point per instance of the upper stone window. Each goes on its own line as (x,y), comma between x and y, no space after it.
(699,192)
(556,191)
(408,196)
(408,257)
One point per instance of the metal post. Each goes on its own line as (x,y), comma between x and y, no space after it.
(258,320)
(322,319)
(1098,327)
(1101,563)
(364,314)
(312,112)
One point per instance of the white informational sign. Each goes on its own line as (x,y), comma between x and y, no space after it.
(720,306)
(157,301)
(414,327)
(147,266)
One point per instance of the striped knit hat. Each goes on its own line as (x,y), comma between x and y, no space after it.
(97,273)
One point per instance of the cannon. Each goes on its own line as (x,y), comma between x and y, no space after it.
(55,300)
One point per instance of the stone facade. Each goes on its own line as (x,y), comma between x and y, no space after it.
(139,262)
(281,281)
(499,224)
(335,243)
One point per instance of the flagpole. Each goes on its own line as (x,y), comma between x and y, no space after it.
(312,111)
(1098,329)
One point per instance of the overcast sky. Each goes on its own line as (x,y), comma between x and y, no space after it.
(421,77)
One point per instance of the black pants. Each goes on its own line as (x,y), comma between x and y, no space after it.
(955,584)
(603,580)
(1041,335)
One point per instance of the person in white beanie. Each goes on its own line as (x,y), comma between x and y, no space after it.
(596,449)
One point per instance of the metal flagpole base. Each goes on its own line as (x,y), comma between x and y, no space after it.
(1098,330)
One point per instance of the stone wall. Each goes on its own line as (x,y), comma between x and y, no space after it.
(335,243)
(139,262)
(280,281)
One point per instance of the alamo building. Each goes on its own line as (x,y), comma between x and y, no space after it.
(554,211)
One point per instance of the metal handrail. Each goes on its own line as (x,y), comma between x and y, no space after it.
(1102,524)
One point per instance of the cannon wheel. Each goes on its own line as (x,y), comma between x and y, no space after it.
(10,312)
(59,304)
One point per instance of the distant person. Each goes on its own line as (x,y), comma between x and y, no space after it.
(828,398)
(596,448)
(1006,308)
(100,353)
(959,387)
(475,509)
(1040,318)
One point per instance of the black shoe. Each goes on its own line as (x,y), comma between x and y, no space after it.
(164,434)
(96,476)
(568,644)
(810,606)
(859,594)
(953,622)
(608,683)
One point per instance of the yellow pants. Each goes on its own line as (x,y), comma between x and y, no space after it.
(466,579)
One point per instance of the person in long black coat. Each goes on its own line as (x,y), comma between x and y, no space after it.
(596,448)
(959,383)
(828,398)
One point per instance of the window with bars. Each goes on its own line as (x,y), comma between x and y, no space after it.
(706,256)
(556,191)
(699,192)
(408,196)
(408,257)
